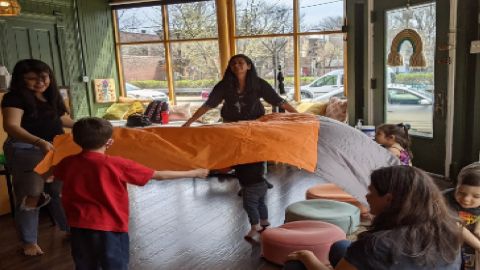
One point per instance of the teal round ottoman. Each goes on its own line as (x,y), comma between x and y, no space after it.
(344,215)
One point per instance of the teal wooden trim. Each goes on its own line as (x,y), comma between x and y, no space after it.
(423,147)
(29,16)
(98,47)
(356,40)
(61,43)
(3,43)
(57,3)
(466,138)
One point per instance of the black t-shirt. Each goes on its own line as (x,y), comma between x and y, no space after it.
(250,174)
(245,106)
(374,252)
(46,124)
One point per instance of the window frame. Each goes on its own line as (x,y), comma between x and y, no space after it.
(232,39)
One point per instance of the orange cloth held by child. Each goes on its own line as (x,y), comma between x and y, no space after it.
(287,138)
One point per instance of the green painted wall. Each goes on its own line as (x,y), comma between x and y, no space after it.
(84,33)
(466,144)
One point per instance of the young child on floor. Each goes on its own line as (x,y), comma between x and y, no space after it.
(254,190)
(95,196)
(465,200)
(395,138)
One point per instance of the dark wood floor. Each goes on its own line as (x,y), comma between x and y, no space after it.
(181,224)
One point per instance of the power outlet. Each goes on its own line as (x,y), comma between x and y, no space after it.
(475,46)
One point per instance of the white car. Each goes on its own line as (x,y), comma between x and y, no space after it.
(339,92)
(406,105)
(330,81)
(139,93)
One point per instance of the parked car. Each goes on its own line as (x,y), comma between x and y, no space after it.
(339,92)
(139,93)
(406,105)
(330,81)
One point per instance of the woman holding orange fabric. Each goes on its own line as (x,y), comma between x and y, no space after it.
(33,114)
(241,90)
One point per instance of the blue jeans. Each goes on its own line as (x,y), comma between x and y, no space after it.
(254,202)
(337,252)
(21,160)
(92,249)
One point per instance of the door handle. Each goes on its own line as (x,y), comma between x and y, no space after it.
(439,103)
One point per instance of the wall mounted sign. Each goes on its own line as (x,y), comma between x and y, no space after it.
(104,90)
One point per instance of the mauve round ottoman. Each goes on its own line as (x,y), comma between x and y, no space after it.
(316,236)
(333,192)
(344,215)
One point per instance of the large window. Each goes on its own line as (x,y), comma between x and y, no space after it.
(140,24)
(264,31)
(182,58)
(195,70)
(255,17)
(144,70)
(268,54)
(321,15)
(409,86)
(191,39)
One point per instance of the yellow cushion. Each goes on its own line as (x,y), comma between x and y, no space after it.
(302,107)
(318,108)
(120,111)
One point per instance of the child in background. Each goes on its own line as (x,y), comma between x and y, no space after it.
(465,200)
(395,138)
(95,196)
(254,191)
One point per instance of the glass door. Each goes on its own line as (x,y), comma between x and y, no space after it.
(411,69)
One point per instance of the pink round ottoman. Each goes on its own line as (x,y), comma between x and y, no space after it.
(316,236)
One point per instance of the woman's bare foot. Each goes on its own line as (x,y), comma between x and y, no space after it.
(32,250)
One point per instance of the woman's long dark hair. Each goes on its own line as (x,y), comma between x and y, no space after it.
(251,78)
(424,227)
(18,85)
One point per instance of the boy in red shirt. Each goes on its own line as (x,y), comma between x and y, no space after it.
(95,196)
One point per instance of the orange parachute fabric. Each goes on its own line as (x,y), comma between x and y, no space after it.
(286,138)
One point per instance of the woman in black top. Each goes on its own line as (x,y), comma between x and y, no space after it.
(412,229)
(241,90)
(33,114)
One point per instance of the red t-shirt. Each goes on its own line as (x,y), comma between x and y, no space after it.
(95,194)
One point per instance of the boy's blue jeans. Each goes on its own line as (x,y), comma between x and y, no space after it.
(92,249)
(21,160)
